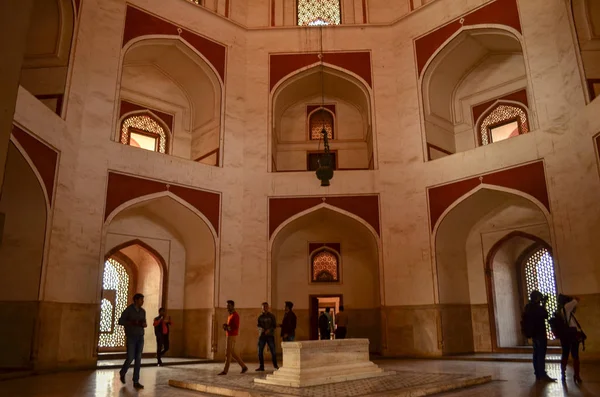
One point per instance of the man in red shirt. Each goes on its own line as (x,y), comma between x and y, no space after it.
(232,330)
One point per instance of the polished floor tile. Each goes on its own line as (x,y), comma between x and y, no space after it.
(510,379)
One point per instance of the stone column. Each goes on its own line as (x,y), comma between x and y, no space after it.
(14,24)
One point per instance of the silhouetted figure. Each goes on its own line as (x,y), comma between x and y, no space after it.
(325,324)
(162,325)
(134,320)
(266,336)
(341,322)
(288,325)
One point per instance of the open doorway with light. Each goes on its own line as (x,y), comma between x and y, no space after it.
(317,305)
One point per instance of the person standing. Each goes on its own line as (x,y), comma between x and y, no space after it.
(325,325)
(288,325)
(232,328)
(571,338)
(341,322)
(266,336)
(534,323)
(162,325)
(134,320)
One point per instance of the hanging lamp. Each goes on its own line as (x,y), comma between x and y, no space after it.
(325,170)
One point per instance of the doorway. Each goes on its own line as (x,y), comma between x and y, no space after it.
(317,305)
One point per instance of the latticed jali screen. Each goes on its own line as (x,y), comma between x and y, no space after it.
(500,114)
(318,121)
(319,12)
(539,275)
(115,280)
(325,267)
(144,123)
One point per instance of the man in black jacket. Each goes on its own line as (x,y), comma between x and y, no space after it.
(536,316)
(266,336)
(288,325)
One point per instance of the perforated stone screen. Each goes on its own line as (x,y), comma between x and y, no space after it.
(539,275)
(115,279)
(319,12)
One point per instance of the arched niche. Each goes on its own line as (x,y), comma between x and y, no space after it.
(477,65)
(344,95)
(359,287)
(46,62)
(164,226)
(168,75)
(24,205)
(508,280)
(142,269)
(462,241)
(586,18)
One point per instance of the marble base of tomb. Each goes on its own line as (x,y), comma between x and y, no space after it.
(312,363)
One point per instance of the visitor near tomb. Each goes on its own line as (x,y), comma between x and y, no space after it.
(534,327)
(572,337)
(325,324)
(341,322)
(134,320)
(232,328)
(266,336)
(288,325)
(162,325)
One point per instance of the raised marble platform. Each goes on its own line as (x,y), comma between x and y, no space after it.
(321,362)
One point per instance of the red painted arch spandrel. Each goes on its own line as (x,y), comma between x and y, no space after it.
(499,12)
(529,178)
(123,188)
(365,207)
(43,157)
(282,65)
(139,23)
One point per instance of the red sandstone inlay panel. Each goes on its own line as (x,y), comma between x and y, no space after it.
(122,188)
(365,207)
(43,157)
(127,107)
(519,96)
(499,12)
(283,64)
(139,23)
(528,178)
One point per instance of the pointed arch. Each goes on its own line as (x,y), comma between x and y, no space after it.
(154,253)
(150,197)
(326,206)
(471,192)
(361,99)
(446,94)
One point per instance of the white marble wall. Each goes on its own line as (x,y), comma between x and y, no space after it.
(564,141)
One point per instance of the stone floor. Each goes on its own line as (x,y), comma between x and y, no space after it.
(150,362)
(510,379)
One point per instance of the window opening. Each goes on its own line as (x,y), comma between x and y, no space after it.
(502,123)
(325,267)
(141,130)
(115,291)
(318,120)
(319,12)
(539,275)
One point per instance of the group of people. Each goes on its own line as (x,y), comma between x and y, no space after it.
(565,327)
(326,324)
(267,325)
